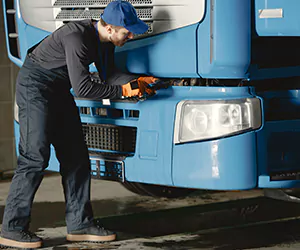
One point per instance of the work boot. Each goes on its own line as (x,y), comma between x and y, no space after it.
(20,239)
(93,233)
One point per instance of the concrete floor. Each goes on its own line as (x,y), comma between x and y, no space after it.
(214,220)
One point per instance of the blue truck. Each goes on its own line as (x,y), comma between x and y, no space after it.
(230,120)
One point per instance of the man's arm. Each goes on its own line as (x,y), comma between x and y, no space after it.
(78,69)
(114,75)
(120,78)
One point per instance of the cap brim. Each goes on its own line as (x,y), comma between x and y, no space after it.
(138,28)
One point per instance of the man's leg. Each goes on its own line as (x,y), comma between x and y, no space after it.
(72,154)
(33,159)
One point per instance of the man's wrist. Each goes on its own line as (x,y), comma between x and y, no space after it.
(120,92)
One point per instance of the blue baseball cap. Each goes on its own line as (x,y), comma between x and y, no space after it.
(122,13)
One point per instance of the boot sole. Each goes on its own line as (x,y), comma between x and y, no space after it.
(18,244)
(90,238)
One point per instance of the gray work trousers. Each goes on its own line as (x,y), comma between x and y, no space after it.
(48,115)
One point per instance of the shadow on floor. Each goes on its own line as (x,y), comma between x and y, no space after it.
(248,237)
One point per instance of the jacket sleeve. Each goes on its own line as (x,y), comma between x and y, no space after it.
(78,69)
(114,75)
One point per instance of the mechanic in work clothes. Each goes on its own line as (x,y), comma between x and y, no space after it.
(48,115)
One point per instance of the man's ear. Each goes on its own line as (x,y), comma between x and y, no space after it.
(108,29)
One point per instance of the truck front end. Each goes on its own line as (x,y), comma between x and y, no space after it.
(211,129)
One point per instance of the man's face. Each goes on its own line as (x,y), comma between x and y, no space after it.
(119,36)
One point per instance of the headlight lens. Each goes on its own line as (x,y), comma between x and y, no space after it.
(203,120)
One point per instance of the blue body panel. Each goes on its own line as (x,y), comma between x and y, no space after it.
(228,163)
(286,24)
(154,55)
(193,52)
(224,40)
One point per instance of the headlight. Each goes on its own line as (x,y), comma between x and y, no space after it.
(203,120)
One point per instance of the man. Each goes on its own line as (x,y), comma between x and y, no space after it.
(48,115)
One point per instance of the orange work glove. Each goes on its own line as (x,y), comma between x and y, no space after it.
(138,86)
(143,82)
(128,91)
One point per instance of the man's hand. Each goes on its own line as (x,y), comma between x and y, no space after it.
(129,90)
(138,87)
(143,82)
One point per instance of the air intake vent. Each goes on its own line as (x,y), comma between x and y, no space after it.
(91,3)
(70,14)
(110,137)
(13,40)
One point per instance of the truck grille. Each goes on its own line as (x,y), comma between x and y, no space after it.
(71,10)
(90,3)
(110,137)
(71,15)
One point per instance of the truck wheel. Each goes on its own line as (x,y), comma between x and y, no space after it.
(157,190)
